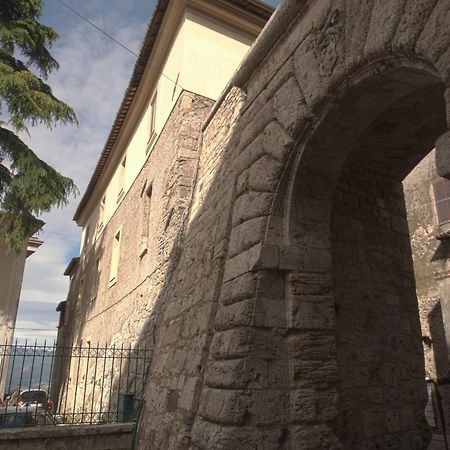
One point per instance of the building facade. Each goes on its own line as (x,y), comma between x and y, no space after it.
(257,240)
(427,200)
(12,266)
(137,203)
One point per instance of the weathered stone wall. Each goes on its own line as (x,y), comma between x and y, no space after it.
(170,170)
(245,351)
(125,313)
(268,369)
(423,225)
(430,258)
(186,323)
(91,437)
(381,376)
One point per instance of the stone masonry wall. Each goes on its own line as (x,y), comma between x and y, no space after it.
(430,258)
(186,321)
(423,227)
(125,313)
(264,354)
(244,336)
(381,376)
(92,437)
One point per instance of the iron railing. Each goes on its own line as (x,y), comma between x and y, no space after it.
(83,384)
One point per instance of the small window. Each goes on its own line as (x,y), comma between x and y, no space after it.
(86,237)
(146,220)
(80,296)
(152,122)
(95,284)
(122,172)
(101,214)
(442,199)
(115,258)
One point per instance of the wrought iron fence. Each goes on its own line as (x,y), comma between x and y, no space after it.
(53,384)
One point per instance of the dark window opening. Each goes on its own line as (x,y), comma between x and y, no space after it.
(442,198)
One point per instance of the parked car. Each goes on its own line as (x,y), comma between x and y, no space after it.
(26,408)
(31,399)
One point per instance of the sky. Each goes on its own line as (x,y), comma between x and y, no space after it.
(93,75)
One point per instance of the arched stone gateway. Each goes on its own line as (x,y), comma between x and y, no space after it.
(354,291)
(313,333)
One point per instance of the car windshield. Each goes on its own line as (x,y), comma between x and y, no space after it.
(33,396)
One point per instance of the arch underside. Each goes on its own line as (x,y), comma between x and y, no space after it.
(347,200)
(316,337)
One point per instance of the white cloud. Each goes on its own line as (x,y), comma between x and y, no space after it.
(93,76)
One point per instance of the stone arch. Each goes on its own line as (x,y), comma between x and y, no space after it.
(364,146)
(272,376)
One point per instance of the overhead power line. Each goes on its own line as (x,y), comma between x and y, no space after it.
(112,38)
(97,27)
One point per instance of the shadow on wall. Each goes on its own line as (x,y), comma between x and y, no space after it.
(259,367)
(437,335)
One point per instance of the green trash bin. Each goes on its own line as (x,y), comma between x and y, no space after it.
(126,408)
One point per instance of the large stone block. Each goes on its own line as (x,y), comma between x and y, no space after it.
(276,142)
(413,19)
(308,437)
(223,406)
(231,343)
(302,405)
(383,24)
(250,205)
(264,174)
(312,346)
(239,288)
(268,406)
(311,312)
(207,435)
(228,374)
(244,262)
(443,155)
(290,106)
(235,315)
(357,23)
(269,313)
(246,235)
(435,37)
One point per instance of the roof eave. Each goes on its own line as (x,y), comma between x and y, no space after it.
(258,8)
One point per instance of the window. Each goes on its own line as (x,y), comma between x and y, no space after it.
(146,219)
(152,122)
(442,199)
(95,283)
(87,231)
(122,170)
(101,215)
(115,258)
(80,296)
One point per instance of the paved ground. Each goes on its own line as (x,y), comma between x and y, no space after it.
(437,443)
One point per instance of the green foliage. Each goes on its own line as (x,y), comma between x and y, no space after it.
(28,186)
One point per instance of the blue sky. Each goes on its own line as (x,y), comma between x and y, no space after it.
(93,75)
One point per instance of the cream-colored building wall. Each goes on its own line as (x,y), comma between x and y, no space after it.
(11,273)
(138,149)
(212,54)
(202,58)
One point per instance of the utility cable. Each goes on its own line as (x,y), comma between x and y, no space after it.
(112,38)
(97,27)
